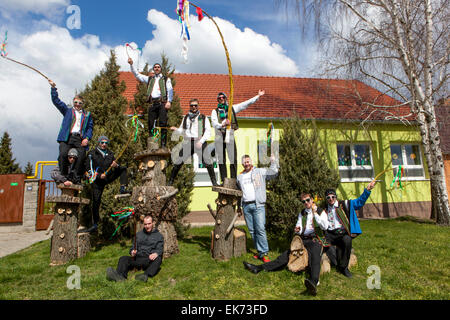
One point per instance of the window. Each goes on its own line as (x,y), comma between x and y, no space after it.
(409,157)
(201,178)
(355,162)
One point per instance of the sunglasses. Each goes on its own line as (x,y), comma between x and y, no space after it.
(221,97)
(194,105)
(331,197)
(104,142)
(306,200)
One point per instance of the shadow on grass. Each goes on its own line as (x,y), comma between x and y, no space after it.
(414,219)
(203,242)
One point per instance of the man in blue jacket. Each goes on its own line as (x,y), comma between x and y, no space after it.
(75,132)
(343,225)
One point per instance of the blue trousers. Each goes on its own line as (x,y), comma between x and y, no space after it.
(255,218)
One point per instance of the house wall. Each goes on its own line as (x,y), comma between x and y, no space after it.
(384,201)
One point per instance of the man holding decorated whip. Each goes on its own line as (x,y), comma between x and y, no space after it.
(76,131)
(343,225)
(311,225)
(160,95)
(220,122)
(196,130)
(101,163)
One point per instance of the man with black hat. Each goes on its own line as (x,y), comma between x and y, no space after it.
(343,225)
(160,94)
(310,226)
(71,177)
(219,120)
(101,163)
(196,130)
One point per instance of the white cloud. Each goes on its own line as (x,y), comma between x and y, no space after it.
(250,52)
(27,112)
(45,7)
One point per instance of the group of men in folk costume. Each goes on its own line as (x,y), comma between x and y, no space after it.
(319,229)
(329,230)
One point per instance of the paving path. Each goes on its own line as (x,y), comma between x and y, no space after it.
(14,241)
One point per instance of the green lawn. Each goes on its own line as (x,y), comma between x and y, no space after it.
(413,258)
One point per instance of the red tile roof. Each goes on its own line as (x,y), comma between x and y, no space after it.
(325,99)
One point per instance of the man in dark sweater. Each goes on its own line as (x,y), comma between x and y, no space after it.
(147,255)
(99,160)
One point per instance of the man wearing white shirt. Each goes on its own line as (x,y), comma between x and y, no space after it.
(343,225)
(160,95)
(219,120)
(310,226)
(196,130)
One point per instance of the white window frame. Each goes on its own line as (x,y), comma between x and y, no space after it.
(198,170)
(405,161)
(354,166)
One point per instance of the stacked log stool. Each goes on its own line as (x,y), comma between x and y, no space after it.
(226,240)
(66,244)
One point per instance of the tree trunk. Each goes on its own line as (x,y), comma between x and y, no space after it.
(227,243)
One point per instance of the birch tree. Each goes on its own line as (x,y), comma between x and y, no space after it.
(402,48)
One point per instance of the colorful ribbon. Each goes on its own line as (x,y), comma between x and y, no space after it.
(3,46)
(398,177)
(123,214)
(270,130)
(135,123)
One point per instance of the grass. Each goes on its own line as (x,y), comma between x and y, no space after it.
(412,257)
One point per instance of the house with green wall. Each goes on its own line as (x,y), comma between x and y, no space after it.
(363,131)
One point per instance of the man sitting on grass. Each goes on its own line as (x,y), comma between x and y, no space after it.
(147,255)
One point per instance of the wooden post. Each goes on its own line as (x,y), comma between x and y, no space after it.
(225,247)
(66,244)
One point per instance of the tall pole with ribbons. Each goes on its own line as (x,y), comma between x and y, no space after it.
(180,10)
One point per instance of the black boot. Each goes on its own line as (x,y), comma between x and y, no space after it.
(311,286)
(163,138)
(173,174)
(212,175)
(251,267)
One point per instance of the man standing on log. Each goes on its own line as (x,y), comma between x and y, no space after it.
(219,120)
(71,177)
(160,94)
(196,130)
(147,255)
(101,161)
(76,131)
(310,226)
(343,225)
(252,182)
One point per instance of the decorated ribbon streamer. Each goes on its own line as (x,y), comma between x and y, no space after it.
(3,47)
(270,130)
(4,55)
(135,123)
(123,214)
(133,133)
(181,6)
(398,177)
(139,50)
(92,175)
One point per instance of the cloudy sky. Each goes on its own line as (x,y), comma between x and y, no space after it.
(46,34)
